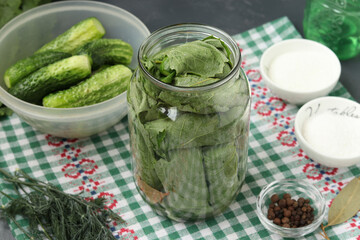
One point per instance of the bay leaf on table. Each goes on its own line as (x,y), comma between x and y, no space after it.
(346,204)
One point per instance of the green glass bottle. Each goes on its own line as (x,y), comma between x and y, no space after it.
(334,23)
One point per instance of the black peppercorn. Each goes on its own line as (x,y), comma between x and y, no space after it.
(287,213)
(286,195)
(282,203)
(277,221)
(289,202)
(285,220)
(274,198)
(286,225)
(290,213)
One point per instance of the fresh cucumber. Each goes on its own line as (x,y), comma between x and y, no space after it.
(79,34)
(107,51)
(30,64)
(59,75)
(101,86)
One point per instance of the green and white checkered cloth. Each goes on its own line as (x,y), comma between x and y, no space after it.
(101,165)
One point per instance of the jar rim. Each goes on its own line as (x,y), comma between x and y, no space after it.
(229,40)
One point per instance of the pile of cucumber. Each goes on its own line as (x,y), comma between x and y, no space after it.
(77,68)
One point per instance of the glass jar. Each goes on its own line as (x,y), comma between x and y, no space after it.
(334,23)
(189,144)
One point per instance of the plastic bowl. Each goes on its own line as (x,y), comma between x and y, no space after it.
(297,188)
(22,36)
(320,78)
(338,122)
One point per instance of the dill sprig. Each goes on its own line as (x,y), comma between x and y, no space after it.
(54,214)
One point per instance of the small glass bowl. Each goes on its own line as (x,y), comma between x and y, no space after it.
(297,188)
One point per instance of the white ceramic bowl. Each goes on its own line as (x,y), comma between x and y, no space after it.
(328,130)
(292,87)
(29,31)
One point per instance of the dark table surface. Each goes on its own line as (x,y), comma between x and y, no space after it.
(232,16)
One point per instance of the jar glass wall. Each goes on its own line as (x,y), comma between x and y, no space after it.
(189,144)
